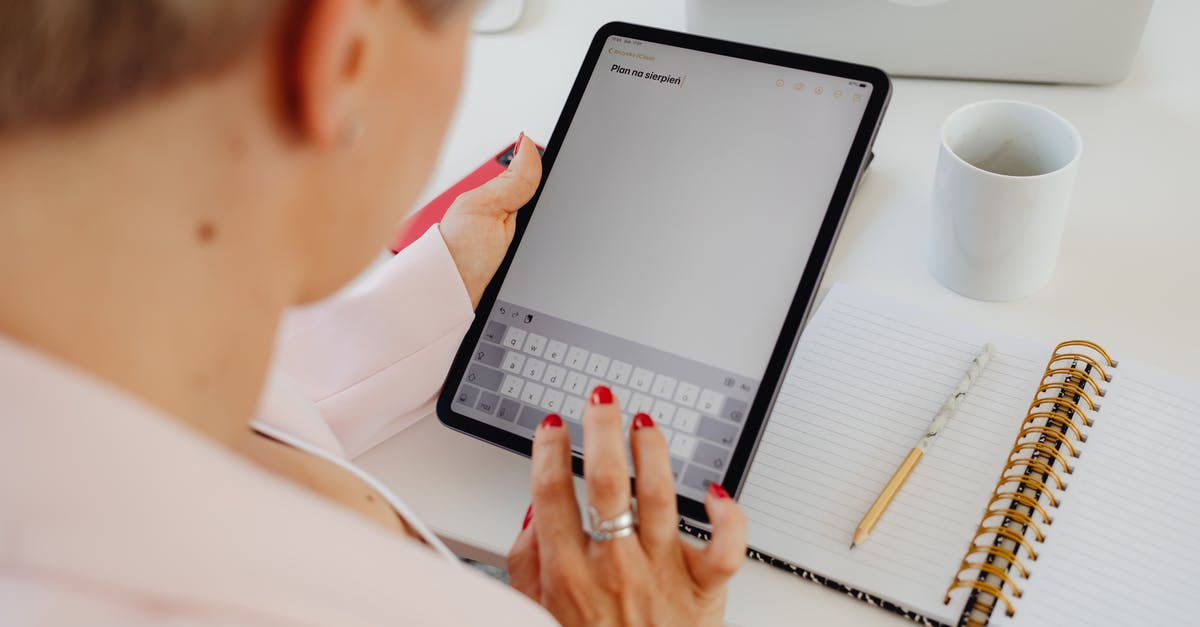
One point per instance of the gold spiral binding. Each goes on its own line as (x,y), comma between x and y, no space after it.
(1031,481)
(1076,374)
(1006,532)
(1085,359)
(1071,388)
(1021,517)
(983,586)
(988,567)
(995,551)
(1034,463)
(1092,345)
(1045,449)
(1058,402)
(1054,434)
(1037,486)
(1023,499)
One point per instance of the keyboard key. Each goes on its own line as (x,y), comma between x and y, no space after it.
(710,401)
(467,395)
(532,394)
(734,410)
(487,403)
(573,408)
(513,362)
(622,395)
(663,413)
(686,420)
(683,445)
(664,386)
(699,478)
(552,401)
(641,379)
(597,365)
(676,467)
(490,355)
(576,358)
(576,383)
(555,351)
(619,372)
(509,409)
(485,378)
(686,394)
(494,332)
(717,431)
(711,455)
(531,417)
(534,344)
(534,368)
(555,375)
(512,386)
(514,338)
(640,404)
(667,434)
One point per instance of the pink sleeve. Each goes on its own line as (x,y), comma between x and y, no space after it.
(373,356)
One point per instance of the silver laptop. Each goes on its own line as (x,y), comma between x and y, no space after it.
(1048,41)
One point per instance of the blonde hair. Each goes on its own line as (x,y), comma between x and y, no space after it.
(63,59)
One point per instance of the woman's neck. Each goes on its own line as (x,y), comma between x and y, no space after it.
(142,252)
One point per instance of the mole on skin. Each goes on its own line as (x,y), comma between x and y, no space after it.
(206,232)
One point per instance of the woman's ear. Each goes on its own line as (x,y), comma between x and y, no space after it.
(331,38)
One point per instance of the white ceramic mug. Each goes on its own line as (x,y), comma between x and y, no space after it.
(1000,198)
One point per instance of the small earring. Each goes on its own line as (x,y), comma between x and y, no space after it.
(352,130)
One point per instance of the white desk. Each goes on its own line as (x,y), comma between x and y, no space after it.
(1127,276)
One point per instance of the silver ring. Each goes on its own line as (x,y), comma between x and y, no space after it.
(619,526)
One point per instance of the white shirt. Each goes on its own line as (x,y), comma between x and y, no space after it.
(112,513)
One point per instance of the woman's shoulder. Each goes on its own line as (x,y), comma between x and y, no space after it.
(111,506)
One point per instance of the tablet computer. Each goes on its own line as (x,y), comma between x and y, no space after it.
(691,195)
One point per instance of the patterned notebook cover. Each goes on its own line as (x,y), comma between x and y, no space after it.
(765,558)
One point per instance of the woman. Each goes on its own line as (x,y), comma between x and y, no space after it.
(177,175)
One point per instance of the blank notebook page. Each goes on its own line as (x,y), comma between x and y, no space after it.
(866,378)
(1123,547)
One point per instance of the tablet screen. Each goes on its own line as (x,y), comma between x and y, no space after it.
(666,248)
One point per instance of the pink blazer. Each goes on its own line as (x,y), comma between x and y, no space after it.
(113,514)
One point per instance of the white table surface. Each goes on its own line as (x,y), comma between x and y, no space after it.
(1127,276)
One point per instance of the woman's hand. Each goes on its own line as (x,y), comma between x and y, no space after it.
(651,577)
(479,226)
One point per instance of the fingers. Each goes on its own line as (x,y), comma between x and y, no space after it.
(558,524)
(524,569)
(720,559)
(524,172)
(605,470)
(657,513)
(512,188)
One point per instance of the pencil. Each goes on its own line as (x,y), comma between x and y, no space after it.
(931,433)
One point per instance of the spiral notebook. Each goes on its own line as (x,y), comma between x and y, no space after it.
(1062,492)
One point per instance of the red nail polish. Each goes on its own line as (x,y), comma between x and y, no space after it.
(716,490)
(642,420)
(528,517)
(602,395)
(517,146)
(552,420)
